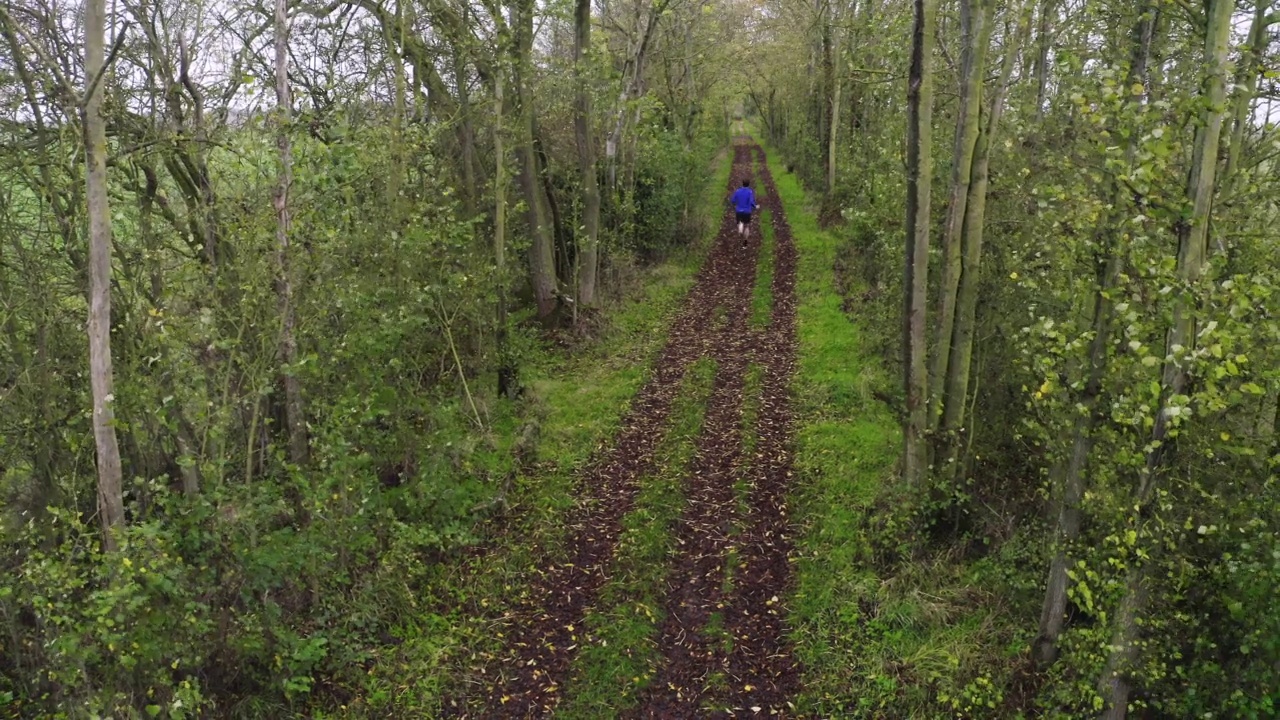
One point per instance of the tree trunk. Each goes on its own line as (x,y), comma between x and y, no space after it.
(1193,236)
(630,84)
(956,389)
(506,370)
(47,451)
(915,285)
(542,261)
(1246,85)
(833,133)
(466,137)
(1067,478)
(102,383)
(294,416)
(826,93)
(975,24)
(1047,9)
(395,182)
(589,259)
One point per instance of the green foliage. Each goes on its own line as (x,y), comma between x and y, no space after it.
(762,294)
(659,214)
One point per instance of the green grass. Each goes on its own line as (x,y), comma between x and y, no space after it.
(619,654)
(846,447)
(762,295)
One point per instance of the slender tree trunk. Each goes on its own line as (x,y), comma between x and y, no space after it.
(1246,85)
(826,93)
(1067,477)
(915,285)
(506,370)
(466,137)
(956,389)
(1193,235)
(833,133)
(975,25)
(294,415)
(1048,8)
(395,182)
(542,252)
(110,486)
(589,258)
(47,452)
(630,88)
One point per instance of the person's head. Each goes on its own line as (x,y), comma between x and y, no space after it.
(746,183)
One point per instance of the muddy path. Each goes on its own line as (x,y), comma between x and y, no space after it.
(721,639)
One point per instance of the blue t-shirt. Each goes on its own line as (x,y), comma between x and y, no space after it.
(744,200)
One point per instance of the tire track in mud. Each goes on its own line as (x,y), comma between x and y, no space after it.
(745,666)
(762,668)
(542,630)
(690,649)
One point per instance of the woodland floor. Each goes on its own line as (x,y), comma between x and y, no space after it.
(709,436)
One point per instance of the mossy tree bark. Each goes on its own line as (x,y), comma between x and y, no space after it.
(915,283)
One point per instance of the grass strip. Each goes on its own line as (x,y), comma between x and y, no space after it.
(846,446)
(762,295)
(619,655)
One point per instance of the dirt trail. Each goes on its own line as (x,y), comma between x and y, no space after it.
(761,659)
(723,652)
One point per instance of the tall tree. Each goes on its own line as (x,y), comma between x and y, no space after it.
(542,261)
(976,17)
(295,417)
(110,491)
(955,394)
(1068,475)
(1246,83)
(915,284)
(507,381)
(589,258)
(1193,236)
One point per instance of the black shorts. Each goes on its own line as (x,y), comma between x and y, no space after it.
(744,217)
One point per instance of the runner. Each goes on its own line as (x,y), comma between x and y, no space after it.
(744,202)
